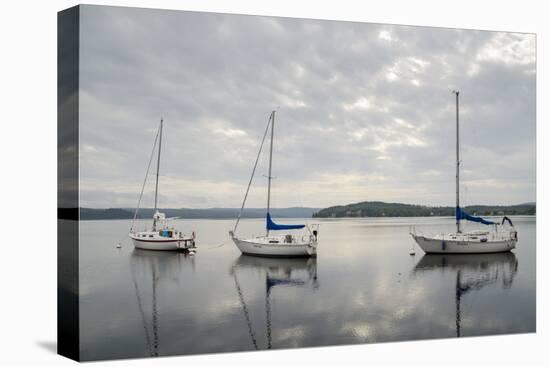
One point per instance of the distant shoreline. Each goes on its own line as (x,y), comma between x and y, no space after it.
(185,213)
(369,209)
(317,218)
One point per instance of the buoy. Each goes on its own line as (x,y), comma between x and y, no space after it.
(411,253)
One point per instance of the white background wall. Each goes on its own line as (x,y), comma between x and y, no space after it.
(28,179)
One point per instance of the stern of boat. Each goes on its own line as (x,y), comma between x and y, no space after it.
(312,249)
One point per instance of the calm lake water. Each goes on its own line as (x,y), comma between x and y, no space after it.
(364,287)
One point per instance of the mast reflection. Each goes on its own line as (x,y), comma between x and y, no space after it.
(473,272)
(148,268)
(278,272)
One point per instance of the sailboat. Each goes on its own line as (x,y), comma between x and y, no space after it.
(286,245)
(496,239)
(162,235)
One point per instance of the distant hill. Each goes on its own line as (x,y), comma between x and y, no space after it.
(381,209)
(363,209)
(211,213)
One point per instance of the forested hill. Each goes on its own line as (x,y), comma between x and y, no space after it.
(381,209)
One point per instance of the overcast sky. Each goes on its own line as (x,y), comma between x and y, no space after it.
(365,111)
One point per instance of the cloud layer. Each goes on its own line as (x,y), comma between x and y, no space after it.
(365,111)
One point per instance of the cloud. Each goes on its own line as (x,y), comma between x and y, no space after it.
(354,100)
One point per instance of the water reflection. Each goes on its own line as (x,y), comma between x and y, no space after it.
(365,290)
(149,268)
(473,272)
(278,272)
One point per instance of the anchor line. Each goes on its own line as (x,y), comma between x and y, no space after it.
(212,247)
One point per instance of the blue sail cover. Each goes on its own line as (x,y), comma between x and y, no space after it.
(506,219)
(461,214)
(271,226)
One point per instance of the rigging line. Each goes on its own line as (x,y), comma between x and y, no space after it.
(463,168)
(252,176)
(145,180)
(299,196)
(162,143)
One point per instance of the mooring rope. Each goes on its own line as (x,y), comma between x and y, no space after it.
(212,247)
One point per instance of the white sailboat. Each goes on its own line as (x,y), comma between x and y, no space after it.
(285,245)
(498,238)
(162,235)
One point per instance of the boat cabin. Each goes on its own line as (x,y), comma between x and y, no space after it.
(166,233)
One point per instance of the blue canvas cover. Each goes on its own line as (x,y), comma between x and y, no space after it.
(506,219)
(271,226)
(461,214)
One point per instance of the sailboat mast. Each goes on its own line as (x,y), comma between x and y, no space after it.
(157,179)
(457,167)
(270,162)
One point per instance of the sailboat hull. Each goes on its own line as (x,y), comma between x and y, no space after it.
(260,247)
(445,246)
(163,245)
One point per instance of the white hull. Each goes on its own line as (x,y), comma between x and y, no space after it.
(163,245)
(441,245)
(257,247)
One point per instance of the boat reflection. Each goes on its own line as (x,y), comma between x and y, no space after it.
(473,272)
(278,272)
(149,268)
